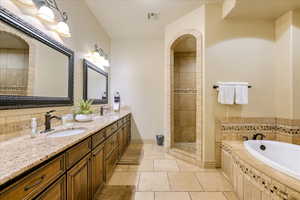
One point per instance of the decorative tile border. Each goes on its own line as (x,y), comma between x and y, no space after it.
(270,187)
(282,126)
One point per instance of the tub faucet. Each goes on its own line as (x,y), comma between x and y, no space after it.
(258,134)
(48,118)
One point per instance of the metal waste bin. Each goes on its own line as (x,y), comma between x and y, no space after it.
(160,140)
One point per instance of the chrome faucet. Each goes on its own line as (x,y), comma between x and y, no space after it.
(258,134)
(48,118)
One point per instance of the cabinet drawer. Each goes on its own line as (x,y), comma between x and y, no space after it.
(34,183)
(77,152)
(98,138)
(57,191)
(110,145)
(110,164)
(111,129)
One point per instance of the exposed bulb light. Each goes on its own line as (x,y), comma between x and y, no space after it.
(63,29)
(45,13)
(106,63)
(26,2)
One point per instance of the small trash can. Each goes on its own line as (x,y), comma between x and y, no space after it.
(160,140)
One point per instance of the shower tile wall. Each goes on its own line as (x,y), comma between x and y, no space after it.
(185,97)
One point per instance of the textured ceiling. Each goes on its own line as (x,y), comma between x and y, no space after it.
(128,18)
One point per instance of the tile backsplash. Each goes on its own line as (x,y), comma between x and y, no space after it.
(17,122)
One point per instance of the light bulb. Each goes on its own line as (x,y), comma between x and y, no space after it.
(45,13)
(26,2)
(63,29)
(106,63)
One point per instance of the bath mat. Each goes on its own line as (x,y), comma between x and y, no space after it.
(132,156)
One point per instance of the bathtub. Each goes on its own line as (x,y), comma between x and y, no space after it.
(281,156)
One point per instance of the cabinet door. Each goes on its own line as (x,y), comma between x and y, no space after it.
(79,180)
(57,191)
(110,164)
(121,142)
(97,168)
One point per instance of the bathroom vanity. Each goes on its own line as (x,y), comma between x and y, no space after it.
(73,167)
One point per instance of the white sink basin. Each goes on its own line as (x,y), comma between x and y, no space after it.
(67,132)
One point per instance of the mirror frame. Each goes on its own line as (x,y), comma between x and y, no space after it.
(18,102)
(87,64)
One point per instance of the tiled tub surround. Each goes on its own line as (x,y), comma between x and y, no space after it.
(23,153)
(252,179)
(235,128)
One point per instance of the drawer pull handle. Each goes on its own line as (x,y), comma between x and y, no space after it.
(38,181)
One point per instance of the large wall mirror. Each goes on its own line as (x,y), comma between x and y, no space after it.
(35,70)
(95,83)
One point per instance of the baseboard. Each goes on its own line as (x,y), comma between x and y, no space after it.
(209,164)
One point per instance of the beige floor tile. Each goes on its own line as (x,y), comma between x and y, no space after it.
(213,181)
(187,167)
(230,196)
(207,196)
(124,178)
(144,196)
(145,165)
(154,155)
(172,196)
(182,181)
(153,181)
(165,165)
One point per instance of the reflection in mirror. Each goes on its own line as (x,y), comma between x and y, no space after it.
(44,74)
(14,54)
(95,83)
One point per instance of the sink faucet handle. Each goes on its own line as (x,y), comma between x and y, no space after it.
(51,111)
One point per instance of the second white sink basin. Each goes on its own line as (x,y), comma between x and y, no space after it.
(67,132)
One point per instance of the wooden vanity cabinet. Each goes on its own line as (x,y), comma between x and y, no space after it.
(78,172)
(79,182)
(98,171)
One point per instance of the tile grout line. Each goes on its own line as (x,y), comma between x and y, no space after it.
(203,189)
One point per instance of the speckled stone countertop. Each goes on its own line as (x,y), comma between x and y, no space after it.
(237,148)
(23,153)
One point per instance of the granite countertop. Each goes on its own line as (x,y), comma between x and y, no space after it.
(23,153)
(238,149)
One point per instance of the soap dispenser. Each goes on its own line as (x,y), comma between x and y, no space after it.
(117,102)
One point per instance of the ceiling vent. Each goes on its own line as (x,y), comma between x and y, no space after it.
(153,16)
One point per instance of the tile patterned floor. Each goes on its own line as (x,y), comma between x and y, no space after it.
(162,177)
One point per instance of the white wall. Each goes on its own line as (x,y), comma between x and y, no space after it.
(137,72)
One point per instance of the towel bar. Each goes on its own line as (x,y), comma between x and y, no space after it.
(216,86)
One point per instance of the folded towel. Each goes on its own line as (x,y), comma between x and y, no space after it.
(241,93)
(226,94)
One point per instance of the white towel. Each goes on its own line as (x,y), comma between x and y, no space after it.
(241,93)
(226,93)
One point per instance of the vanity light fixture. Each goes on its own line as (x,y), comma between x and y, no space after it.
(98,57)
(46,13)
